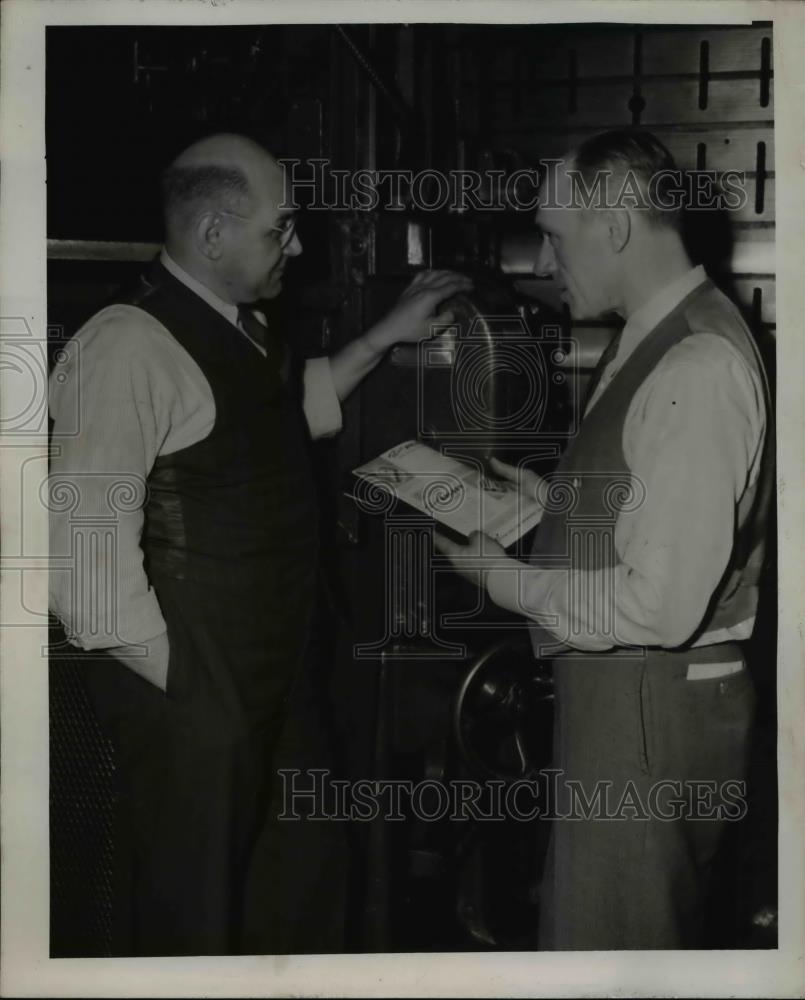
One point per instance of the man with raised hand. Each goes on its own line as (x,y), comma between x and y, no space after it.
(206,610)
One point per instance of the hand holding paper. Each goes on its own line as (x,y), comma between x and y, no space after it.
(480,553)
(529,483)
(460,496)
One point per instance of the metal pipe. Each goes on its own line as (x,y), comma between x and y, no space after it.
(101,250)
(520,251)
(386,90)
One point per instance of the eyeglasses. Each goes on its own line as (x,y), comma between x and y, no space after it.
(286,228)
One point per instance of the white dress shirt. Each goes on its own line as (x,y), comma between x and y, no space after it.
(136,394)
(693,435)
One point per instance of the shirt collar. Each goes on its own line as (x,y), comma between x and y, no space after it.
(226,309)
(651,313)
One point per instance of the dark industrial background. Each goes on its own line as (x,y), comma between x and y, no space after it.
(121,102)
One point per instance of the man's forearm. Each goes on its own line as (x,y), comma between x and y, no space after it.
(545,596)
(503,583)
(589,610)
(412,318)
(354,362)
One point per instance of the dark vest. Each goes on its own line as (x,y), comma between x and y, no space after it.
(592,484)
(236,510)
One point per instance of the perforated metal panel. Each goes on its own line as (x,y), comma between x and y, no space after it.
(82,775)
(706,91)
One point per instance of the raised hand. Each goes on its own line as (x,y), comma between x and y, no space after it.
(414,314)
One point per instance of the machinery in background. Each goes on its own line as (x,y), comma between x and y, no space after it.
(458,694)
(426,683)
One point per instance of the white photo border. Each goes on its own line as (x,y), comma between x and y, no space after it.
(25,966)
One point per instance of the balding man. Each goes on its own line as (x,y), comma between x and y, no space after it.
(203,613)
(643,582)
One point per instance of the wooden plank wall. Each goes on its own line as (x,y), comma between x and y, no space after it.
(706,92)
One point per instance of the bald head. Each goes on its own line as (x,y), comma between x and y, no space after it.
(223,220)
(224,172)
(226,149)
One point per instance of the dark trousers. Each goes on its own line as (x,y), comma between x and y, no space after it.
(202,866)
(635,873)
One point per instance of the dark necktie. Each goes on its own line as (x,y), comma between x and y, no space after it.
(263,337)
(607,356)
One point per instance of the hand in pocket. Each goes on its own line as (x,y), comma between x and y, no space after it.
(148,659)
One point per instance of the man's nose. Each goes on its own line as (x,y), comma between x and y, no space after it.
(294,247)
(545,264)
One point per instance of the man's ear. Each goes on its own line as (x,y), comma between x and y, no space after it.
(619,228)
(209,237)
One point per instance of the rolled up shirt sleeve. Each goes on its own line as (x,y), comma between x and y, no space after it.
(693,438)
(99,465)
(319,399)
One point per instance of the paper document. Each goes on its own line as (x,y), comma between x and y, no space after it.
(458,495)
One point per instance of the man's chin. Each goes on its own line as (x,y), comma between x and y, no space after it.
(575,308)
(580,310)
(272,287)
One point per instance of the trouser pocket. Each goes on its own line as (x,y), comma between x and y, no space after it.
(644,717)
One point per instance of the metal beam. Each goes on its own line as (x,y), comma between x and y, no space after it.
(101,250)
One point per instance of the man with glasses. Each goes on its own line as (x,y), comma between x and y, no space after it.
(184,389)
